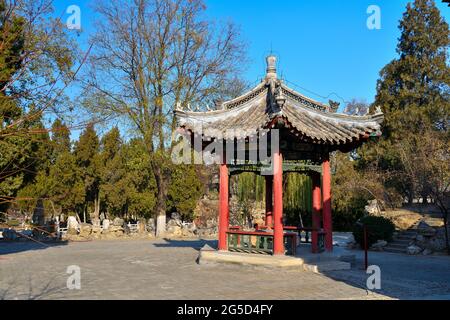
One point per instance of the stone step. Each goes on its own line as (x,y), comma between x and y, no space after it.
(394,250)
(401,240)
(408,233)
(397,245)
(402,237)
(324,266)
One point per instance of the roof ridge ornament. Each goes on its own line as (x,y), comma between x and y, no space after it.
(378,110)
(334,105)
(271,71)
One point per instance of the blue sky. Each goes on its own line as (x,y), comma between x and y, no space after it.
(324,47)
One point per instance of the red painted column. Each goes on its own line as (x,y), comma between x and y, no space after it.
(278,243)
(316,206)
(269,201)
(223,207)
(326,194)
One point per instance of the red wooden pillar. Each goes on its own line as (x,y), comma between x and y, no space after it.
(278,245)
(326,194)
(223,207)
(316,206)
(269,201)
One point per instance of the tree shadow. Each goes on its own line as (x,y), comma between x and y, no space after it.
(402,277)
(10,247)
(196,244)
(31,292)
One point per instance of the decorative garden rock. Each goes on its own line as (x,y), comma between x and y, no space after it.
(105,224)
(10,235)
(175,216)
(372,208)
(175,231)
(413,250)
(72,224)
(95,221)
(85,230)
(118,222)
(174,223)
(379,245)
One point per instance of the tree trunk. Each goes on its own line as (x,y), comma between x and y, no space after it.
(96,207)
(160,210)
(446,232)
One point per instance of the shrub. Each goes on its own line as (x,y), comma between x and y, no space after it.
(378,228)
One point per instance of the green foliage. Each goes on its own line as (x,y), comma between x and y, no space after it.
(414,94)
(30,45)
(184,190)
(297,199)
(378,228)
(127,185)
(249,186)
(60,138)
(88,161)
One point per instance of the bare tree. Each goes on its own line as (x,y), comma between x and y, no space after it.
(150,56)
(426,162)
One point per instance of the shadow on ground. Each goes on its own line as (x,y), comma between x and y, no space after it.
(7,247)
(402,276)
(196,244)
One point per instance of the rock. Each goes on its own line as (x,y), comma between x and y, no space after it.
(115,231)
(97,229)
(207,232)
(72,224)
(186,233)
(95,222)
(10,235)
(105,224)
(126,229)
(191,227)
(118,222)
(412,250)
(427,252)
(175,231)
(373,208)
(427,231)
(141,226)
(379,245)
(72,232)
(351,245)
(436,244)
(420,238)
(151,227)
(175,216)
(211,224)
(174,223)
(85,230)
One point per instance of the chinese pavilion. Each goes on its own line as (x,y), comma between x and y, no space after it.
(307,132)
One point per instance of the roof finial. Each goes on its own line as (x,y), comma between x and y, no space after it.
(271,71)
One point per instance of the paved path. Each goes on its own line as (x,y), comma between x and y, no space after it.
(403,276)
(151,270)
(142,269)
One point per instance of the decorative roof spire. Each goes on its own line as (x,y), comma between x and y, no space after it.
(271,71)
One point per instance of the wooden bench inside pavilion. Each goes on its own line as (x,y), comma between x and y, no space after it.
(272,130)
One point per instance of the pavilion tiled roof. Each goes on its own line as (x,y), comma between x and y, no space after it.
(273,104)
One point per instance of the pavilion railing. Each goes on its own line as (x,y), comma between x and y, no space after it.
(258,241)
(305,236)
